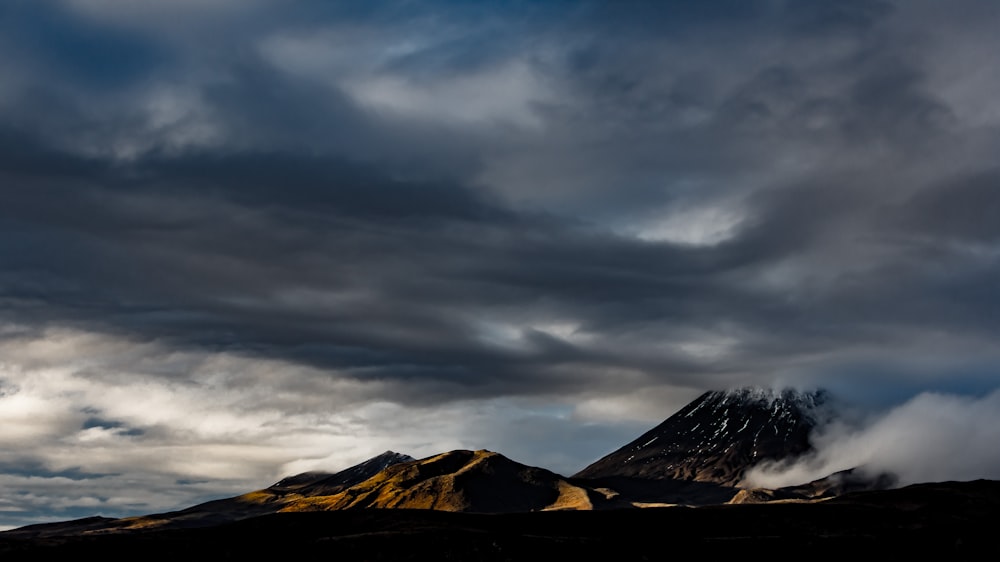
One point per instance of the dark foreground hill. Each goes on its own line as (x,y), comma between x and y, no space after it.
(952,520)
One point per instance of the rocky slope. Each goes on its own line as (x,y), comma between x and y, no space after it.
(471,481)
(324,483)
(717,437)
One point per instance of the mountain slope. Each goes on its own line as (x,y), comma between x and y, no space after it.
(717,437)
(471,481)
(324,483)
(253,504)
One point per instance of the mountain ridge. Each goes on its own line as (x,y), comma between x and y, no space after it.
(461,480)
(317,483)
(718,436)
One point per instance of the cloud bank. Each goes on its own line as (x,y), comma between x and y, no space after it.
(932,437)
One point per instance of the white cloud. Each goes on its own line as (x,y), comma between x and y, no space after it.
(98,404)
(506,94)
(708,346)
(696,226)
(932,437)
(645,404)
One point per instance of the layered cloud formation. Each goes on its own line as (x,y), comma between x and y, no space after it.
(932,437)
(245,238)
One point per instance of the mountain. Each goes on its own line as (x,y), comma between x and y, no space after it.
(471,481)
(717,437)
(324,483)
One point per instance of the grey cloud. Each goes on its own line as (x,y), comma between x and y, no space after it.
(38,470)
(961,210)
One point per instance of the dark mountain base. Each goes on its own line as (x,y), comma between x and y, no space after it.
(956,520)
(663,490)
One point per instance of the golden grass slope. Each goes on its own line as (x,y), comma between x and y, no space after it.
(471,481)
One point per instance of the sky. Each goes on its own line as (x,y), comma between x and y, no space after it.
(242,239)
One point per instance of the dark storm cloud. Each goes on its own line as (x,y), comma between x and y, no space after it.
(279,213)
(38,470)
(92,56)
(105,254)
(962,210)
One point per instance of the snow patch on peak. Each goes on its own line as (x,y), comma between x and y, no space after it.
(771,397)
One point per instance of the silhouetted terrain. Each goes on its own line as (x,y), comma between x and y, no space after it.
(954,520)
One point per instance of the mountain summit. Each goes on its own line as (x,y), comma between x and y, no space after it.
(475,481)
(718,436)
(324,483)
